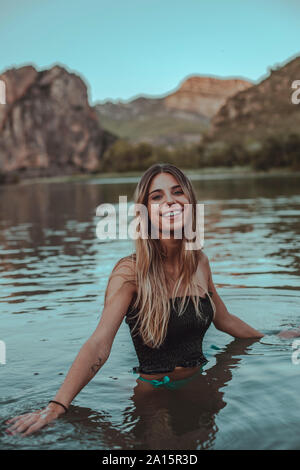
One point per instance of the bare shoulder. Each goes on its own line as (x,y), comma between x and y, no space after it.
(125,267)
(204,267)
(204,262)
(118,296)
(203,258)
(122,278)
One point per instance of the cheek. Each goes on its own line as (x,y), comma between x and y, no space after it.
(153,212)
(188,214)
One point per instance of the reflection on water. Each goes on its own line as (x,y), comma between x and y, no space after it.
(54,272)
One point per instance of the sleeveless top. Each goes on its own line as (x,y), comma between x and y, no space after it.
(183,343)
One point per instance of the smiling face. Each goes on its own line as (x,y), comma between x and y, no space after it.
(166,204)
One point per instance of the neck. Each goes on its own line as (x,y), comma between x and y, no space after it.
(171,249)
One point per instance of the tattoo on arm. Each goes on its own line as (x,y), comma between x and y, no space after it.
(95,367)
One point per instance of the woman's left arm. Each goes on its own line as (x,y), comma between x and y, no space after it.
(231,324)
(225,321)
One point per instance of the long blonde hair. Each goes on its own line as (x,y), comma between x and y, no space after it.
(152,302)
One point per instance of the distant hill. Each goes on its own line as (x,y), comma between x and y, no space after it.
(265,110)
(177,118)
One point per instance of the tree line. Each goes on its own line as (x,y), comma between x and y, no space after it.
(273,152)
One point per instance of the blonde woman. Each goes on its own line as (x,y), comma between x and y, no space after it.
(167,296)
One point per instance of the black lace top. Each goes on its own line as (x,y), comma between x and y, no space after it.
(183,343)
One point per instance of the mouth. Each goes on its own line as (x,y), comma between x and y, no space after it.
(172,214)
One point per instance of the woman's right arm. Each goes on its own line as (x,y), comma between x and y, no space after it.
(92,355)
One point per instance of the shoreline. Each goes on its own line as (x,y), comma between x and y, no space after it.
(205,173)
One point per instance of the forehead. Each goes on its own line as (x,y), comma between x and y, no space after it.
(163,181)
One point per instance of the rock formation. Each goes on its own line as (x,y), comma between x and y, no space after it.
(47,126)
(178,117)
(262,111)
(204,95)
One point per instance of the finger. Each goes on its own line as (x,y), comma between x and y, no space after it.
(11,420)
(15,424)
(21,420)
(14,429)
(25,424)
(33,428)
(22,424)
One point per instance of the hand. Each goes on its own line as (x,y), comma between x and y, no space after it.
(289,333)
(29,423)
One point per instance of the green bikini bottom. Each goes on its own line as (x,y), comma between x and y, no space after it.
(166,382)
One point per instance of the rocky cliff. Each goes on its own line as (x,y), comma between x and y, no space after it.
(204,95)
(179,117)
(47,126)
(264,110)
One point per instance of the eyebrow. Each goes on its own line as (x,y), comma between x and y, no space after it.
(173,187)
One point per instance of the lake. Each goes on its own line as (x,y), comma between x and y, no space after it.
(53,275)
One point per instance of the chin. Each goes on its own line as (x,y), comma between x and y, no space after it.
(173,228)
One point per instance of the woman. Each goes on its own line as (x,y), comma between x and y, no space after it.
(167,294)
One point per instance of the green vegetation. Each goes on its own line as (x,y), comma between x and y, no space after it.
(272,155)
(273,152)
(277,153)
(124,156)
(152,127)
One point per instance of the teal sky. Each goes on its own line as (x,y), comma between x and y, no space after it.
(127,48)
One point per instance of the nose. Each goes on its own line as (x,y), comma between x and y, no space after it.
(169,198)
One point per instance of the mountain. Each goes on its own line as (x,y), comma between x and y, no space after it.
(262,111)
(204,95)
(47,126)
(179,117)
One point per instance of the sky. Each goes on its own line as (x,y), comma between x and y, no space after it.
(127,48)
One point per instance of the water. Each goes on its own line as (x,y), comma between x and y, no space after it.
(54,272)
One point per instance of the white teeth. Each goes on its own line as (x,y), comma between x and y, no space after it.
(170,214)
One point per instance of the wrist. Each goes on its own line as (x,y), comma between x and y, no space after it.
(58,406)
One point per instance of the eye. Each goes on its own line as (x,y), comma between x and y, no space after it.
(156,197)
(179,191)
